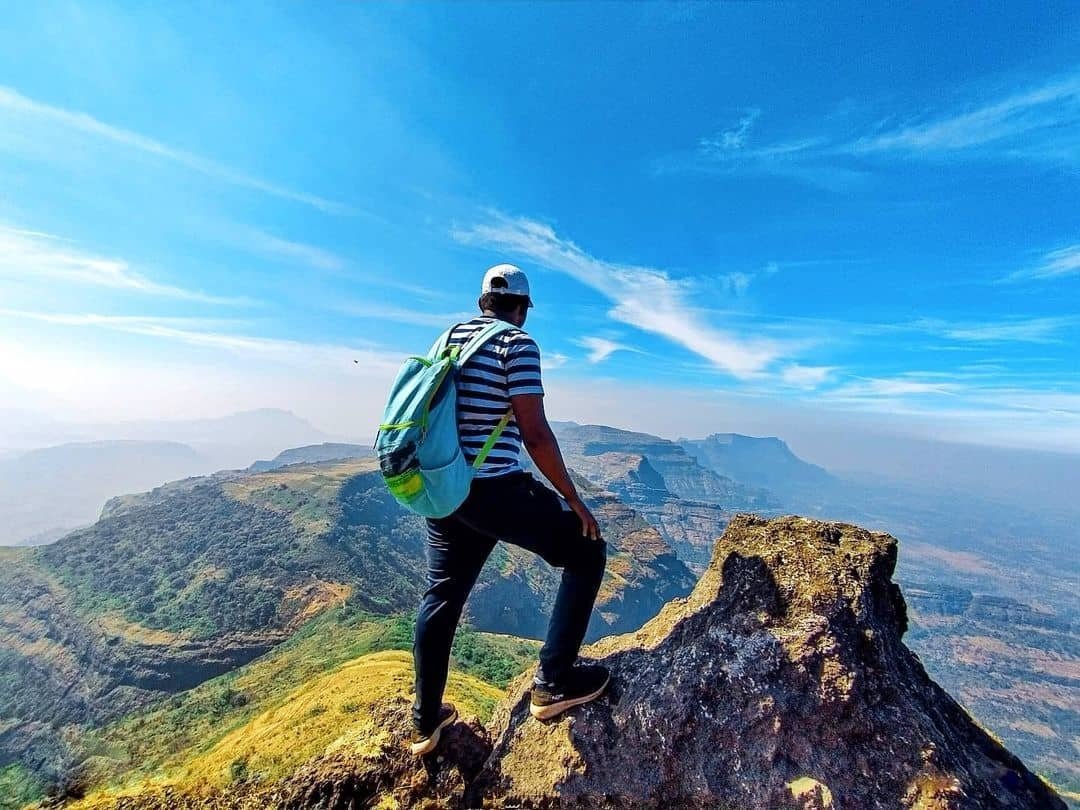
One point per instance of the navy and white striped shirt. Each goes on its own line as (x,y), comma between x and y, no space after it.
(506,366)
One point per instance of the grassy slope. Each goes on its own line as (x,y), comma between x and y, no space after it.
(203,569)
(314,681)
(224,556)
(331,712)
(18,787)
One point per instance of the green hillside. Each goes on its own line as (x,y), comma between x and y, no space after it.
(178,738)
(175,587)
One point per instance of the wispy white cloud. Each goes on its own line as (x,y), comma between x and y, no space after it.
(738,283)
(555,360)
(287,250)
(808,377)
(875,388)
(733,138)
(206,334)
(14,103)
(1038,121)
(600,348)
(643,297)
(1011,330)
(31,255)
(259,242)
(1055,264)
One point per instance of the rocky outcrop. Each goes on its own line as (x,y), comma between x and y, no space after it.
(781,681)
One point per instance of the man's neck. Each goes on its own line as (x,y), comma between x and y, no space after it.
(487,313)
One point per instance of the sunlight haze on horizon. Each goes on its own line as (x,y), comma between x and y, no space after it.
(831,224)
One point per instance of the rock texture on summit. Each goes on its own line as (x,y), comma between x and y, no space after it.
(781,681)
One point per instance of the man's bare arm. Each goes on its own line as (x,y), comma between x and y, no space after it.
(540,441)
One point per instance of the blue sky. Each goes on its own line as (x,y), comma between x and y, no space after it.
(755,217)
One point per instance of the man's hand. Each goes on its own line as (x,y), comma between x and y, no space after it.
(589,526)
(540,441)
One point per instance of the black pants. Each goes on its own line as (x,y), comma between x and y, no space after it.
(517,509)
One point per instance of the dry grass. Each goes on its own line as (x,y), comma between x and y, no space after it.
(329,713)
(115,624)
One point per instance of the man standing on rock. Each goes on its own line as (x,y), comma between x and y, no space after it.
(507,504)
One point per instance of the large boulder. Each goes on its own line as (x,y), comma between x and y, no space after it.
(781,681)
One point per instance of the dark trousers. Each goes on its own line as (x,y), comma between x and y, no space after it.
(516,509)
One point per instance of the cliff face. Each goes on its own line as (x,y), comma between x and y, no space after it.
(780,682)
(689,526)
(762,462)
(589,449)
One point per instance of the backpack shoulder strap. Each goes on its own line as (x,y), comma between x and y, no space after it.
(439,346)
(494,328)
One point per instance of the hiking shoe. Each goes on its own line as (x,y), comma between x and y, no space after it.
(582,684)
(424,742)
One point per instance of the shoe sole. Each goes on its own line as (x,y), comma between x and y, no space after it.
(432,742)
(555,709)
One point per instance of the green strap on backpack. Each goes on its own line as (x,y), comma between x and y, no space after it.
(478,462)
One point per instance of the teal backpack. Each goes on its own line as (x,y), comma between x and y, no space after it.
(418,445)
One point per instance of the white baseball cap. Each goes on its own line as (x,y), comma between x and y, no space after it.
(506,279)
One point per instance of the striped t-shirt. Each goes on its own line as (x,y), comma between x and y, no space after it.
(506,366)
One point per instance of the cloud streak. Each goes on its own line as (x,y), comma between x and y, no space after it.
(1044,118)
(731,139)
(31,255)
(1039,122)
(276,247)
(1015,330)
(14,103)
(201,333)
(600,349)
(642,297)
(1054,265)
(808,377)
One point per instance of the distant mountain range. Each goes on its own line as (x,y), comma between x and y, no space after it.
(226,442)
(48,492)
(761,462)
